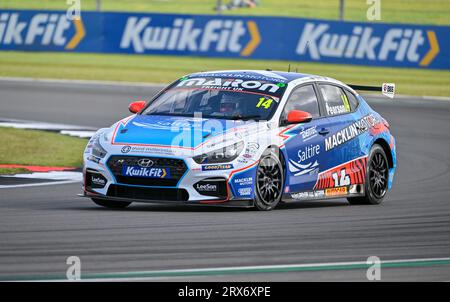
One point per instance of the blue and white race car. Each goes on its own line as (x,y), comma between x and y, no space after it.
(244,138)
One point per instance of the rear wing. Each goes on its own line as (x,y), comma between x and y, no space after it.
(387,89)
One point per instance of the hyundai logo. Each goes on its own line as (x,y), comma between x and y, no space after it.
(126,149)
(145,162)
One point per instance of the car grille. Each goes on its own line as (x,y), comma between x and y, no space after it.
(177,169)
(154,194)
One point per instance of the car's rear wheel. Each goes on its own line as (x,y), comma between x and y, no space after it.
(377,176)
(269,181)
(112,204)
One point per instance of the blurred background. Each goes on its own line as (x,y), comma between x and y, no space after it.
(163,69)
(89,86)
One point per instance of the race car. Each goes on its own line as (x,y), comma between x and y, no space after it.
(248,138)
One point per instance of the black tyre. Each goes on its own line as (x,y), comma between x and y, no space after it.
(377,177)
(269,181)
(111,204)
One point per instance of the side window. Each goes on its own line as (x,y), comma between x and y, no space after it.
(303,98)
(352,99)
(336,101)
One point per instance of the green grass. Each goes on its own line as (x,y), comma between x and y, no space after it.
(6,171)
(403,11)
(164,69)
(41,148)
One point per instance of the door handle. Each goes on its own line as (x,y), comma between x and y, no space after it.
(324,131)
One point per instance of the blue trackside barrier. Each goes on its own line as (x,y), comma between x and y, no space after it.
(272,38)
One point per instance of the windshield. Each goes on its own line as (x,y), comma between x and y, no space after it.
(219,98)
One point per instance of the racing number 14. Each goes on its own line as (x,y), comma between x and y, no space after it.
(264,103)
(343,180)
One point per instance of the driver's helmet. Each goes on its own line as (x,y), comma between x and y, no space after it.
(229,104)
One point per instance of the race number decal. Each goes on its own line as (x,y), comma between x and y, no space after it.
(341,180)
(350,173)
(265,103)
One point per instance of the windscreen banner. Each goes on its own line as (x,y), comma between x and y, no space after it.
(269,38)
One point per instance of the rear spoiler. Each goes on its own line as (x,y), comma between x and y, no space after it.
(387,89)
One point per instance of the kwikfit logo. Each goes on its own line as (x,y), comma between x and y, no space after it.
(145,172)
(43,29)
(215,35)
(401,44)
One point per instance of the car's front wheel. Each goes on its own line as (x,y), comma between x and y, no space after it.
(269,181)
(111,204)
(377,176)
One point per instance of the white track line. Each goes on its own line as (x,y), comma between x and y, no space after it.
(218,271)
(40,184)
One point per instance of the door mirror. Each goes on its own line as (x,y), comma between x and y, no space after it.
(137,106)
(298,116)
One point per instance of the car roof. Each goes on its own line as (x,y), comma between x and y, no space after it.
(275,76)
(269,75)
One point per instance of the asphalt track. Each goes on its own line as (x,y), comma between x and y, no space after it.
(41,226)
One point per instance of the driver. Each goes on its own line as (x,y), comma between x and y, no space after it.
(230,105)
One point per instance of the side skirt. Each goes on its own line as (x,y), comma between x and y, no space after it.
(324,194)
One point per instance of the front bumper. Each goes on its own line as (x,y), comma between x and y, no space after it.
(245,203)
(226,187)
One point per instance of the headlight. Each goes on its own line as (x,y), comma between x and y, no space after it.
(97,149)
(222,155)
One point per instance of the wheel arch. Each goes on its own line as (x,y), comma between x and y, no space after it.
(283,159)
(280,154)
(387,150)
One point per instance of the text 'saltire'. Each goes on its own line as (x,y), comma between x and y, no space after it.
(377,177)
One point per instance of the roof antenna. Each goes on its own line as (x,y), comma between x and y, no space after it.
(296,69)
(289,68)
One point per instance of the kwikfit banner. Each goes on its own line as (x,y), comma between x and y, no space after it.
(273,38)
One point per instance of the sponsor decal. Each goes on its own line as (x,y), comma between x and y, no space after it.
(217,167)
(243,181)
(308,195)
(305,154)
(361,43)
(258,75)
(336,191)
(308,152)
(151,150)
(245,191)
(232,84)
(135,171)
(206,187)
(249,152)
(308,133)
(388,89)
(338,109)
(99,181)
(222,36)
(350,132)
(43,29)
(125,149)
(94,159)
